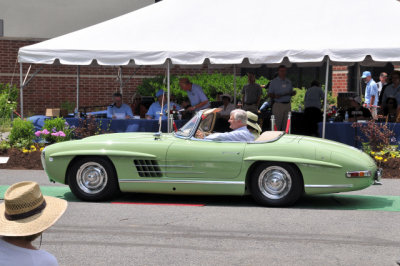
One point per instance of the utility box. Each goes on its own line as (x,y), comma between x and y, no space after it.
(53,112)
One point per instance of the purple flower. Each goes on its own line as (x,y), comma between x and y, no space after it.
(54,129)
(61,134)
(38,133)
(45,132)
(393,139)
(66,123)
(54,134)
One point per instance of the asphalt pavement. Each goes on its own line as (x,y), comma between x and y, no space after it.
(137,229)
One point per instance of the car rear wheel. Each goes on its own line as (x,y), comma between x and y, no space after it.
(93,179)
(276,184)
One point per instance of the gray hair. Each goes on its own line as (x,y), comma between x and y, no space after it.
(240,114)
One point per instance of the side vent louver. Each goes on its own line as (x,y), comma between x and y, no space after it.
(148,168)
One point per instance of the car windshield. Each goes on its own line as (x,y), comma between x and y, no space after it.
(188,127)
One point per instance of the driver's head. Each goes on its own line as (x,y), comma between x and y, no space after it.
(238,119)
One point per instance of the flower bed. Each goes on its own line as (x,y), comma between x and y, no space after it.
(20,160)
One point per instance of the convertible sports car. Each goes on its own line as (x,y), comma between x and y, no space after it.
(276,169)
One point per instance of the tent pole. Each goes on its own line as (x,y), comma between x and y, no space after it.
(359,92)
(168,97)
(21,91)
(77,88)
(120,79)
(325,98)
(234,84)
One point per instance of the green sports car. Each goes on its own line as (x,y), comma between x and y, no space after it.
(276,169)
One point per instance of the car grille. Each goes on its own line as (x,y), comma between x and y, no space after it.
(148,168)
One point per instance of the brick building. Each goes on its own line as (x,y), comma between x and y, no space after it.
(56,84)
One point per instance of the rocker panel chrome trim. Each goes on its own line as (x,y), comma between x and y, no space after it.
(161,181)
(329,186)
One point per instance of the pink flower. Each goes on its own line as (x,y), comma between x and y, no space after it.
(55,134)
(38,133)
(45,132)
(61,134)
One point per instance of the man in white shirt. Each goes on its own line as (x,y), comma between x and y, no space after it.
(312,112)
(382,82)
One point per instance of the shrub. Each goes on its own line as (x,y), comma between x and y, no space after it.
(298,99)
(377,141)
(8,103)
(21,135)
(210,83)
(55,130)
(89,127)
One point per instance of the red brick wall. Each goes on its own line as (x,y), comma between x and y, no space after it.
(339,79)
(57,83)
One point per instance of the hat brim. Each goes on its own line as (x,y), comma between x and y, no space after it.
(35,224)
(255,126)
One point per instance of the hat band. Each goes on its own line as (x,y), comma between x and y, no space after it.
(252,121)
(19,216)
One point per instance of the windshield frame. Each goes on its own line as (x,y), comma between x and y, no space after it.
(197,118)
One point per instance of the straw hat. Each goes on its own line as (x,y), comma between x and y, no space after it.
(25,211)
(252,121)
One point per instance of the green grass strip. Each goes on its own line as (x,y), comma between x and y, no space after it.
(62,192)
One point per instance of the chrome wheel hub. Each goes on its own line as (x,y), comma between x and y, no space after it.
(274,182)
(91,177)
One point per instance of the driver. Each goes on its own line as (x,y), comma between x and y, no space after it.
(238,122)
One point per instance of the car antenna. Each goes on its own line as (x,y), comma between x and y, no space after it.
(157,135)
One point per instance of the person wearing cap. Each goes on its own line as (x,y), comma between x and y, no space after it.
(281,92)
(371,93)
(155,108)
(24,215)
(227,107)
(118,109)
(392,90)
(198,100)
(251,94)
(252,124)
(238,123)
(312,108)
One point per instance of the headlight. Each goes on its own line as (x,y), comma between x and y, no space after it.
(43,158)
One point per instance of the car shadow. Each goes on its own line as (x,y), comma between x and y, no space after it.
(328,201)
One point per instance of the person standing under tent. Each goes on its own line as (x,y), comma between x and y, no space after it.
(198,100)
(312,108)
(392,90)
(371,94)
(281,91)
(251,94)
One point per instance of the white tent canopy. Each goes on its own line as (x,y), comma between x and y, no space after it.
(230,31)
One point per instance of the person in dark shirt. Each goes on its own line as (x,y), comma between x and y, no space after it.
(390,110)
(357,112)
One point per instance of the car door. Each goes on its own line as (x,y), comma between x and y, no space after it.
(193,158)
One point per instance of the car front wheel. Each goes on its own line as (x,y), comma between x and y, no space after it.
(276,184)
(93,179)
